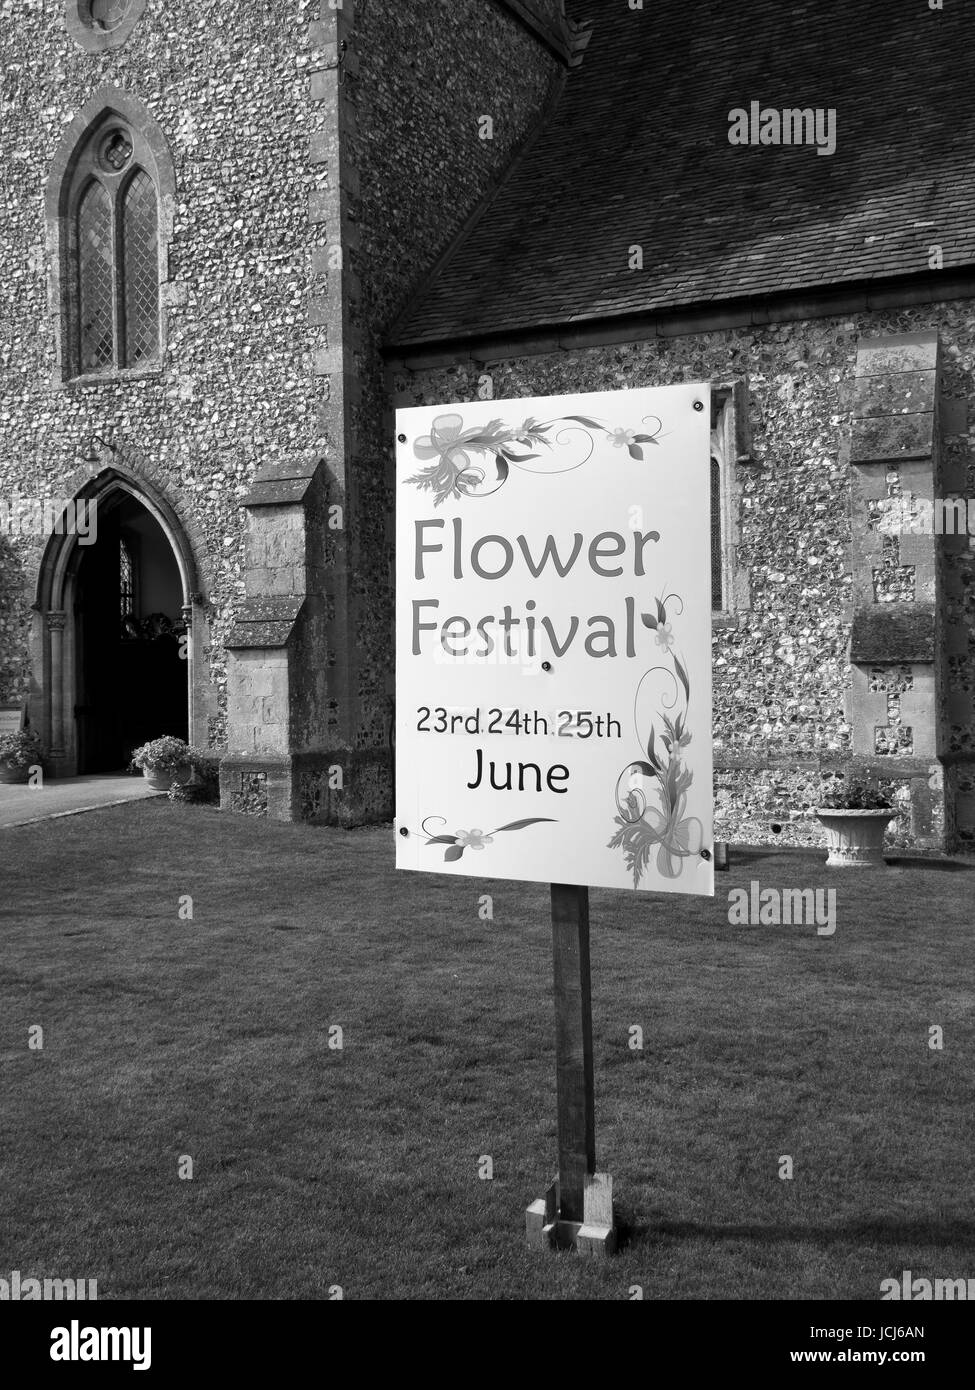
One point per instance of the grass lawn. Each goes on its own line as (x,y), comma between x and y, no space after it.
(315,1167)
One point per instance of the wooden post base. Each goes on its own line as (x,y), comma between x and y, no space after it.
(595,1234)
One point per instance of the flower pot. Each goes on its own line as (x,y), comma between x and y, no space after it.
(162,781)
(855,839)
(12,776)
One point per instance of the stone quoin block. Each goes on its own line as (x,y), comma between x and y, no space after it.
(889,438)
(888,354)
(906,393)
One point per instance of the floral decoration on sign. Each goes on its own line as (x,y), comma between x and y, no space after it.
(664,828)
(473,839)
(455,473)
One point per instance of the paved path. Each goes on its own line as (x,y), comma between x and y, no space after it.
(69,796)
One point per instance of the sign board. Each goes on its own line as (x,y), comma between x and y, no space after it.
(553,639)
(12,718)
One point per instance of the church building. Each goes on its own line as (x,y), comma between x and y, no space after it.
(233,240)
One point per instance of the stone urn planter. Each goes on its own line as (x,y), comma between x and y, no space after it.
(164,761)
(162,781)
(11,776)
(855,839)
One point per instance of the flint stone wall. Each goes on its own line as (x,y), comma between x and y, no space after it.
(415,83)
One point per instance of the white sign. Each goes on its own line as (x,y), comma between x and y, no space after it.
(553,639)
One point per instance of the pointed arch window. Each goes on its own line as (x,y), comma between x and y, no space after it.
(113,271)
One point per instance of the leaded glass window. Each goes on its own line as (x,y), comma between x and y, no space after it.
(126,570)
(141,255)
(95,278)
(113,206)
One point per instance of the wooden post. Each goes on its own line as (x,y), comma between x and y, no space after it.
(573,1046)
(577,1209)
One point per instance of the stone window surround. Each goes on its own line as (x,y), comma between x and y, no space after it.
(87,170)
(77,21)
(108,103)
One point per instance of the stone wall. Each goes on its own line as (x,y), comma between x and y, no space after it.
(784,696)
(236,387)
(417,157)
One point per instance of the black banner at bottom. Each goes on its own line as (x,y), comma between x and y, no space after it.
(167,1340)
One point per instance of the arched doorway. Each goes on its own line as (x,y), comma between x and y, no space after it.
(115,619)
(131,672)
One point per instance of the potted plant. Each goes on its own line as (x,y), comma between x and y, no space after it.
(18,754)
(855,813)
(164,761)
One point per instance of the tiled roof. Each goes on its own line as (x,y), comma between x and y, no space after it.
(637,153)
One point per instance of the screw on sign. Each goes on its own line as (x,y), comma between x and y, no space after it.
(517,557)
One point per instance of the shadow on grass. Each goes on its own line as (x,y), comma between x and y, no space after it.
(874,1230)
(757,854)
(945,865)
